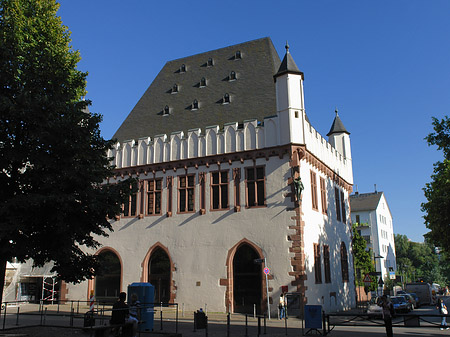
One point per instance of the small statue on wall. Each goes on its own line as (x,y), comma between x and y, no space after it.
(298,187)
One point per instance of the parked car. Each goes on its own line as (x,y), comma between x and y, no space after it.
(410,300)
(373,309)
(416,298)
(400,304)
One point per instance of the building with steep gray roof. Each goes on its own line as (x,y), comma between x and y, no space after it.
(240,198)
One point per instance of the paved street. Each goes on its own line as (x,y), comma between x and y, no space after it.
(217,326)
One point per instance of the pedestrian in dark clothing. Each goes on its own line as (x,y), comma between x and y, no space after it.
(120,310)
(388,312)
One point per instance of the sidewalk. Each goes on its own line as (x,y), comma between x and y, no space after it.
(217,326)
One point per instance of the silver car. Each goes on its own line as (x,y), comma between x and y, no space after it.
(373,309)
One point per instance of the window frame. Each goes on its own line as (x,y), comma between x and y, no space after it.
(220,185)
(344,263)
(132,199)
(237,188)
(327,263)
(169,185)
(317,264)
(187,195)
(255,182)
(323,195)
(337,203)
(314,201)
(343,213)
(154,192)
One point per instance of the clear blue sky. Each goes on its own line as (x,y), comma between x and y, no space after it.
(384,64)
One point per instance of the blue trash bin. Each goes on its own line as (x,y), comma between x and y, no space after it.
(146,296)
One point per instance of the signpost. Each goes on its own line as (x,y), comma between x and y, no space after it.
(266,272)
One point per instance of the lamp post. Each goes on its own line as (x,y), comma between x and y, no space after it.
(381,273)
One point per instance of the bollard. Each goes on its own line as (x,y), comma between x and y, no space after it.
(45,316)
(78,307)
(206,328)
(254,310)
(58,308)
(17,318)
(285,324)
(259,326)
(176,320)
(4,316)
(71,317)
(228,324)
(160,316)
(195,321)
(265,330)
(246,326)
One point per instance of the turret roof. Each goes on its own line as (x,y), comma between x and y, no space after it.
(288,65)
(337,126)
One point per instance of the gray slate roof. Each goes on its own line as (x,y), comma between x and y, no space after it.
(337,126)
(365,201)
(252,94)
(288,65)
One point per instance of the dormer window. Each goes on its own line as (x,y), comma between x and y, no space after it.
(183,68)
(203,82)
(175,88)
(226,99)
(195,105)
(210,62)
(237,55)
(166,110)
(232,76)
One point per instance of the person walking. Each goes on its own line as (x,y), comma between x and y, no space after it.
(388,312)
(443,311)
(282,306)
(135,313)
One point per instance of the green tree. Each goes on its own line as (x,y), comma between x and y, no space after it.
(437,192)
(363,258)
(53,160)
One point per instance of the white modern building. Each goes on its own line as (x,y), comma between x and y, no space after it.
(372,214)
(230,171)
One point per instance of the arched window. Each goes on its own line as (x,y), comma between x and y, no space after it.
(237,55)
(107,282)
(203,82)
(232,76)
(183,68)
(344,262)
(175,88)
(226,99)
(210,62)
(195,105)
(166,110)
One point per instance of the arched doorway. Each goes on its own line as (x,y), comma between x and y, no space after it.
(159,274)
(247,284)
(107,282)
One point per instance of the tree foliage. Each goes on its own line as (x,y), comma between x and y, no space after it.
(437,192)
(418,261)
(363,258)
(53,160)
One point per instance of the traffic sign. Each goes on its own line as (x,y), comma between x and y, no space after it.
(266,271)
(367,279)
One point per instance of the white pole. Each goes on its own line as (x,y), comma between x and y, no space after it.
(267,290)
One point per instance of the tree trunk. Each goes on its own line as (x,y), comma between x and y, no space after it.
(3,262)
